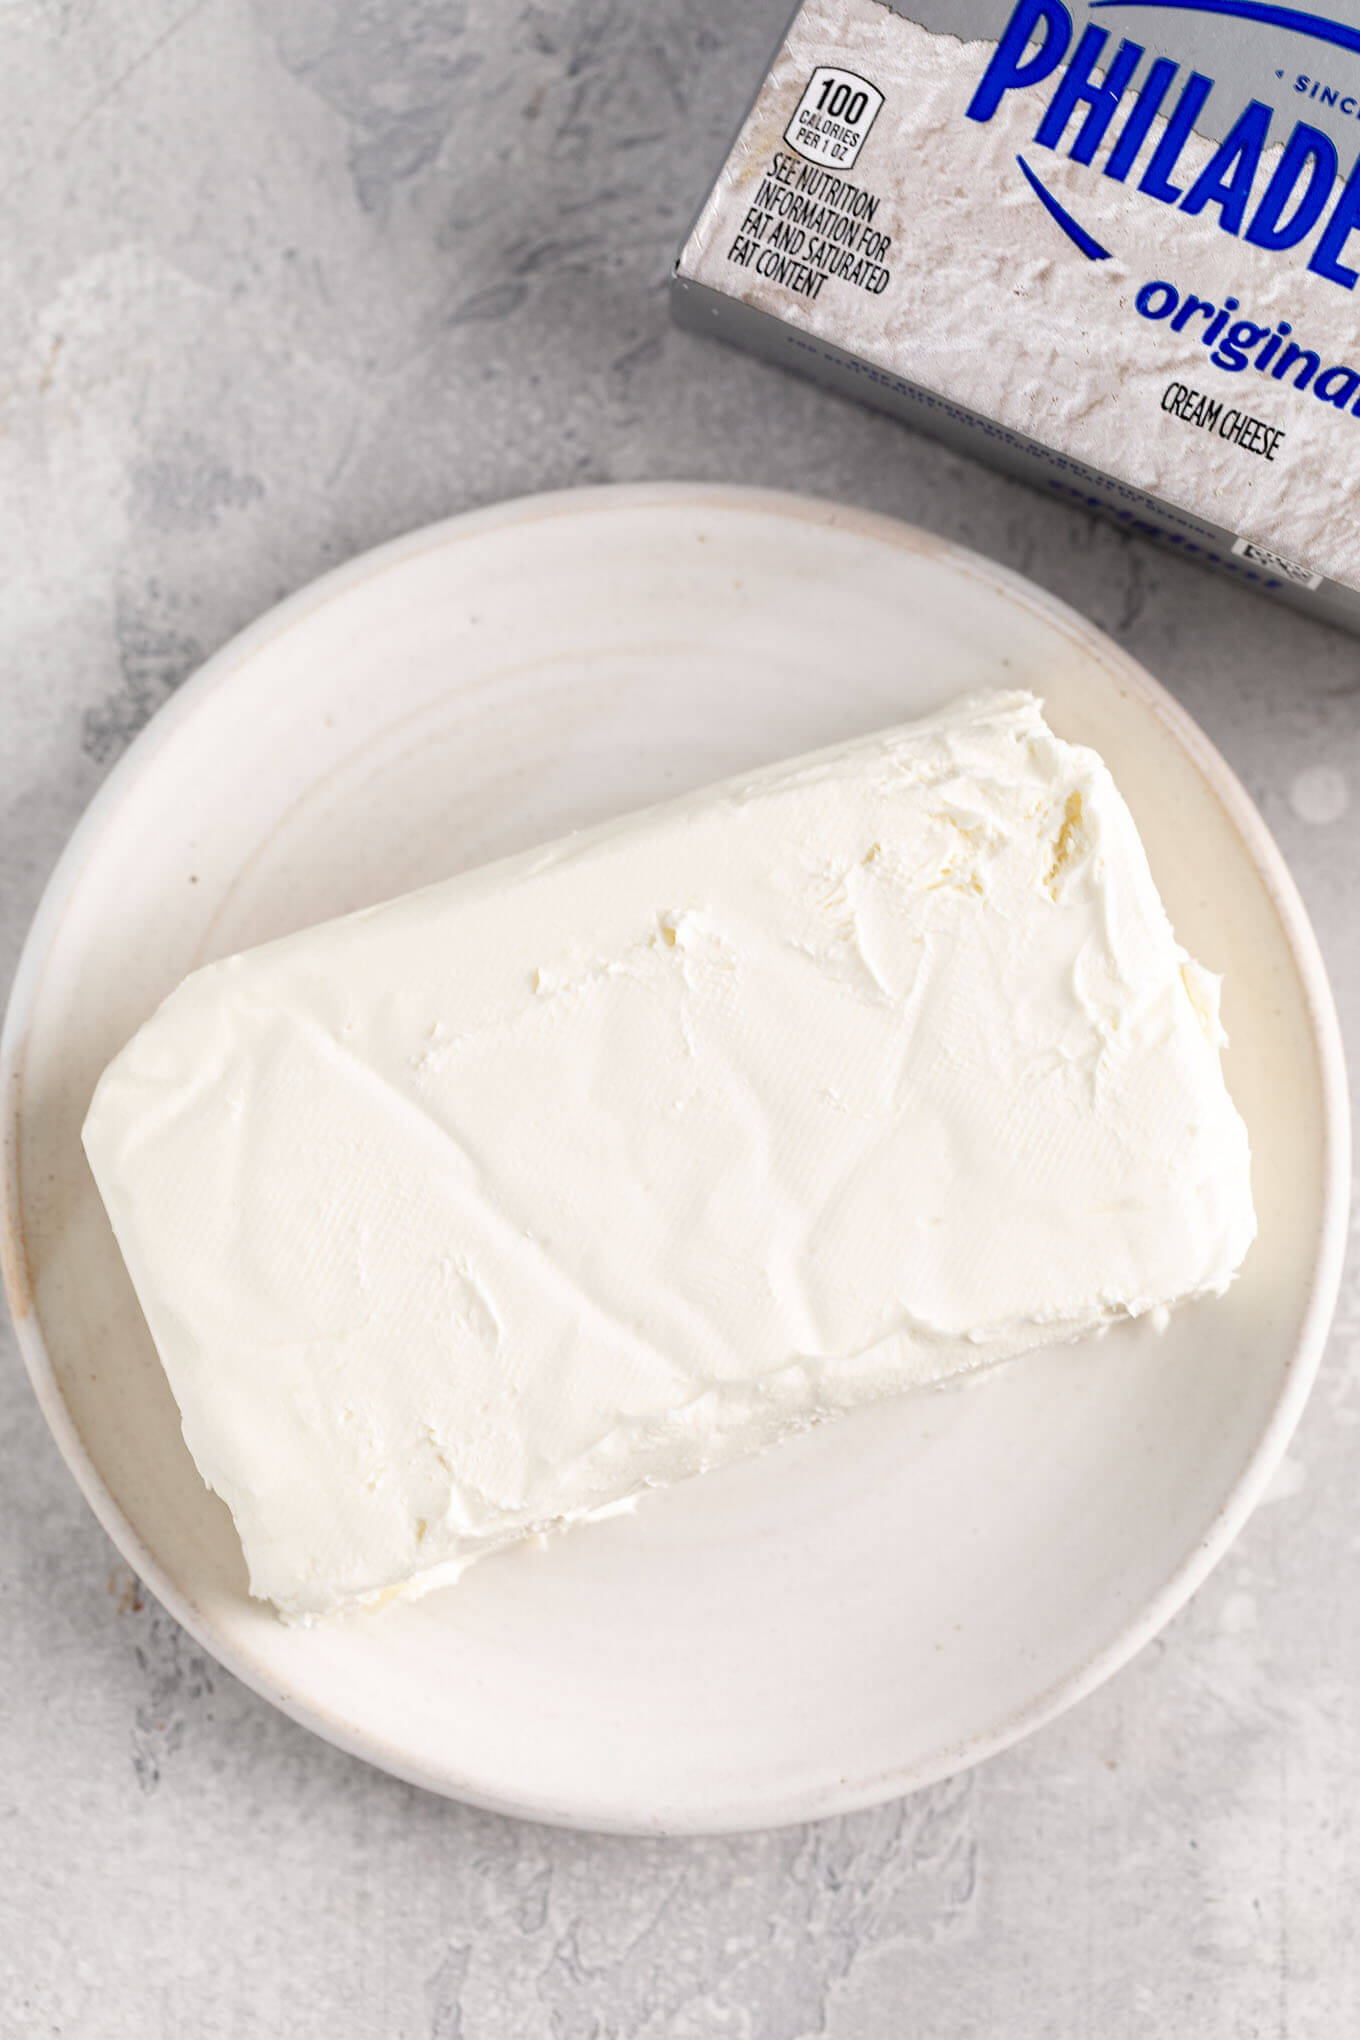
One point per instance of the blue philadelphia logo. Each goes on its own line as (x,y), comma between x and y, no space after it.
(1114,109)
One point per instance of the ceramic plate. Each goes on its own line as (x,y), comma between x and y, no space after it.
(882,1601)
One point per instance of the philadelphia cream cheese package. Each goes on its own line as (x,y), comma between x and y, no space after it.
(1113,247)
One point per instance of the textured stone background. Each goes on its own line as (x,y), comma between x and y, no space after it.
(278,281)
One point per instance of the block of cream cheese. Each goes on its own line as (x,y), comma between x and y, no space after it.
(480,1212)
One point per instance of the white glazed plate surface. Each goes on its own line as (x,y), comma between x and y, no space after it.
(884,1600)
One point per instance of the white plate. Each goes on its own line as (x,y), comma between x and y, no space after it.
(883,1601)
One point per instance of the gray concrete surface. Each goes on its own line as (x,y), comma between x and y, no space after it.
(278,281)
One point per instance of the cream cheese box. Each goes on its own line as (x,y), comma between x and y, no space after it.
(1112,247)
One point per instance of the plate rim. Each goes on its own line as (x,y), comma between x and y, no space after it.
(1300,1369)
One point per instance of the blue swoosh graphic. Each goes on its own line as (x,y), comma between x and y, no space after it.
(1295,19)
(1074,231)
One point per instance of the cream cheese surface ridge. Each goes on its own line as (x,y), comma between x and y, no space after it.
(480,1212)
